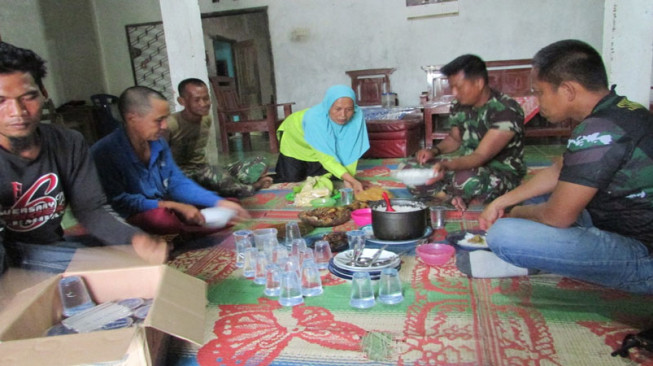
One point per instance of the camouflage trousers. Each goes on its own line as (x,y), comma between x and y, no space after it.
(479,183)
(235,180)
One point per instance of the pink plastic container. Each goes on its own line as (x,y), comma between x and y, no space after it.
(435,254)
(362,216)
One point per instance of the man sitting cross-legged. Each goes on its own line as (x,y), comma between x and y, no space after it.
(188,136)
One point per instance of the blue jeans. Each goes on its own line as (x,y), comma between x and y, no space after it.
(581,252)
(53,257)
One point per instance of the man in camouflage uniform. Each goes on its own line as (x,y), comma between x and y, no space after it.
(589,216)
(188,135)
(487,132)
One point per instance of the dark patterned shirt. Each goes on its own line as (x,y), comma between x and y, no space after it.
(612,150)
(501,113)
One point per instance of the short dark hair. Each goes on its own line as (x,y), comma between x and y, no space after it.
(137,99)
(571,60)
(471,65)
(16,59)
(192,81)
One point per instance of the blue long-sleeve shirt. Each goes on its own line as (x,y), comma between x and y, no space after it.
(134,187)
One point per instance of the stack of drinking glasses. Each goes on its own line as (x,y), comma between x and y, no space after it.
(289,271)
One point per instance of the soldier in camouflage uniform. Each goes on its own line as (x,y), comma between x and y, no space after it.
(188,135)
(487,132)
(594,219)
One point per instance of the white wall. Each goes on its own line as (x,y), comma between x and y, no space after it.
(14,17)
(69,26)
(63,34)
(112,17)
(337,35)
(315,41)
(628,28)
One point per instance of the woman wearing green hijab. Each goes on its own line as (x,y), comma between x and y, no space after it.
(329,137)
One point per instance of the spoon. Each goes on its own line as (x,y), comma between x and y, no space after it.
(376,255)
(387,203)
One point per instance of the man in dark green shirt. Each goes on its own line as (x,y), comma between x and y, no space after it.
(590,215)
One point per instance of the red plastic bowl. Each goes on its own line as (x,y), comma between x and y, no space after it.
(362,216)
(435,254)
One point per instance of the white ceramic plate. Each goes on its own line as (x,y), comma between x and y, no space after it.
(342,258)
(458,238)
(345,276)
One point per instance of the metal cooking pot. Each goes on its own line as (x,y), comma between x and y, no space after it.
(406,225)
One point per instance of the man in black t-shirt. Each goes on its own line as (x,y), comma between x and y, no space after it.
(44,168)
(597,223)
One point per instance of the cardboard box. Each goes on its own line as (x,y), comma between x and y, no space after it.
(178,309)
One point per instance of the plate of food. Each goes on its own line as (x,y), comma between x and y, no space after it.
(374,193)
(337,240)
(326,216)
(469,240)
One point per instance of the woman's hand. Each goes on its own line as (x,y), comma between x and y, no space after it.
(355,185)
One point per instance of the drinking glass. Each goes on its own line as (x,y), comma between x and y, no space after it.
(356,239)
(291,263)
(311,281)
(278,253)
(362,292)
(305,254)
(249,262)
(290,293)
(260,235)
(390,287)
(272,280)
(292,232)
(243,239)
(297,246)
(261,268)
(322,254)
(346,196)
(74,295)
(268,246)
(437,216)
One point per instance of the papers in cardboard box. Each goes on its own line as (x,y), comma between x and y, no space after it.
(178,309)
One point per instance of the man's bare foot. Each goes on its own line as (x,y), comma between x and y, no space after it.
(153,251)
(263,182)
(459,203)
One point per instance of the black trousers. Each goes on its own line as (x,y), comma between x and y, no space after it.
(293,170)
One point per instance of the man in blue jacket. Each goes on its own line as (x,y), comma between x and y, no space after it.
(140,177)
